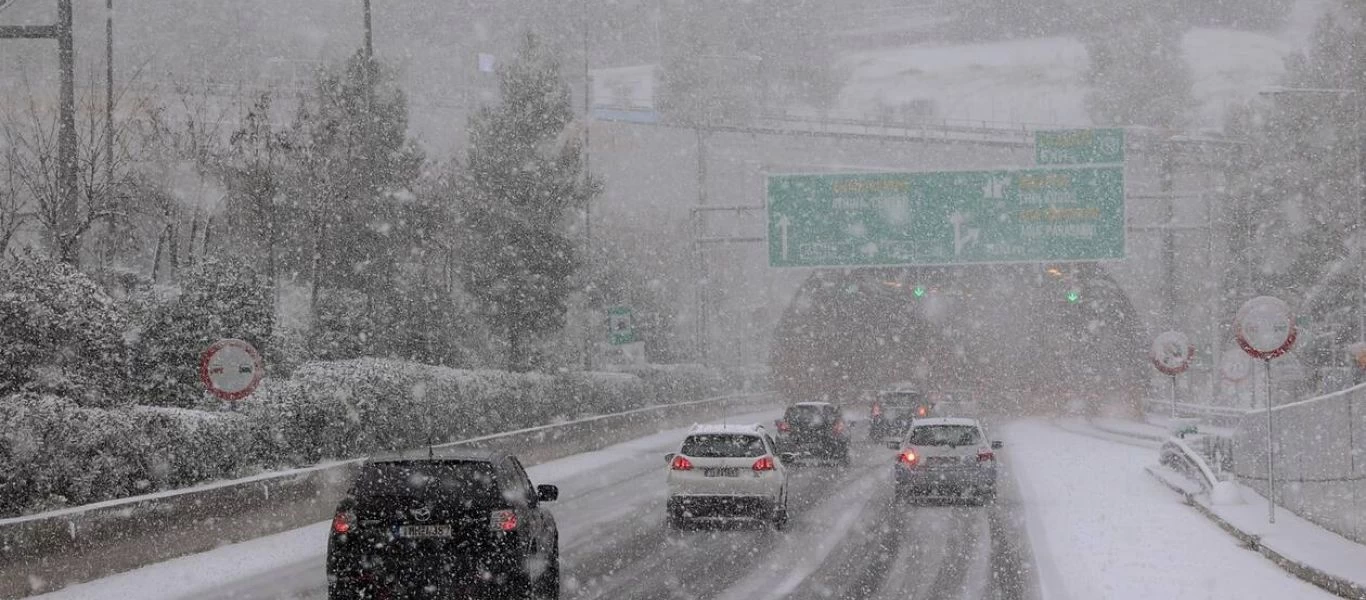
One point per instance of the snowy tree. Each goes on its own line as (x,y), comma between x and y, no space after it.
(60,333)
(524,184)
(254,173)
(1138,76)
(218,299)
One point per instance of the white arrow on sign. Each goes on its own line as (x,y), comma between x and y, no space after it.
(783,224)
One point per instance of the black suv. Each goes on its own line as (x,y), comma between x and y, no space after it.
(444,524)
(814,429)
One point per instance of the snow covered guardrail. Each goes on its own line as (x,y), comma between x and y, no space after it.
(1178,455)
(50,550)
(1217,415)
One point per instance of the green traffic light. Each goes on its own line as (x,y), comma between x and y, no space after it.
(1073,297)
(919,291)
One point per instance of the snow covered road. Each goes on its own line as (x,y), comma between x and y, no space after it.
(1080,507)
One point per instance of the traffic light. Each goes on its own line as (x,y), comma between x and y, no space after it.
(918,291)
(1073,296)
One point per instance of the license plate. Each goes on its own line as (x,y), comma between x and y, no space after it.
(726,472)
(424,531)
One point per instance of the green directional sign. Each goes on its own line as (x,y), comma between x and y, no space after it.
(946,218)
(620,326)
(1079,146)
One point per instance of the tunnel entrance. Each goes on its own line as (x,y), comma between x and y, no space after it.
(1037,337)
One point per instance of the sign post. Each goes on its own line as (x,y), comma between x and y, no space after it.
(231,369)
(1265,329)
(1171,354)
(946,218)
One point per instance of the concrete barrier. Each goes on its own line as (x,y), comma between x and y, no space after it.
(1320,459)
(47,551)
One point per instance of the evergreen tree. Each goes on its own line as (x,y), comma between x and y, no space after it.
(524,184)
(1139,77)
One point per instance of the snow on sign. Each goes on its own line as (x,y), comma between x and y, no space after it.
(231,369)
(1265,327)
(1172,353)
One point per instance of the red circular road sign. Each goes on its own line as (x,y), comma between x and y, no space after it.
(1172,353)
(1265,327)
(231,369)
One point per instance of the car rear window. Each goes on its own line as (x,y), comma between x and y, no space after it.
(944,435)
(470,481)
(723,445)
(809,416)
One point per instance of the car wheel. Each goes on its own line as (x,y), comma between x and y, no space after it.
(548,586)
(780,515)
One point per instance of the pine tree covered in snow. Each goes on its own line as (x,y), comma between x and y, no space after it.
(524,185)
(1139,76)
(60,333)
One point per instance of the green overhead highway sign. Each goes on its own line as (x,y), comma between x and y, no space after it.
(1079,146)
(946,218)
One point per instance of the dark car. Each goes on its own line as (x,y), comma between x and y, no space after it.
(894,411)
(444,524)
(815,429)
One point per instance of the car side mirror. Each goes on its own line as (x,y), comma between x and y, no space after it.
(669,458)
(894,445)
(547,493)
(997,445)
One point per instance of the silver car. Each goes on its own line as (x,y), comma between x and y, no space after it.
(946,456)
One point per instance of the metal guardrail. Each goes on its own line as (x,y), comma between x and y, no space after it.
(1179,455)
(1221,415)
(83,543)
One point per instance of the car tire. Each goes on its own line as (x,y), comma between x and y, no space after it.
(548,585)
(780,515)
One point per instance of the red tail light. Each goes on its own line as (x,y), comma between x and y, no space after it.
(909,458)
(503,520)
(985,456)
(343,522)
(765,464)
(839,427)
(920,411)
(877,410)
(680,464)
(784,427)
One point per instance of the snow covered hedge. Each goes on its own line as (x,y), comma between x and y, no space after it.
(55,452)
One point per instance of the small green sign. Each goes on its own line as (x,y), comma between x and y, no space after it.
(946,218)
(620,326)
(1079,146)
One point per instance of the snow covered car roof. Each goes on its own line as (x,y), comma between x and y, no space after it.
(944,421)
(752,428)
(813,404)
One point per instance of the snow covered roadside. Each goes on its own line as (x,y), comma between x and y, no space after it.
(297,555)
(1297,545)
(1100,527)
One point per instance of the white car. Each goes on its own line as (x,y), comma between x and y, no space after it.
(946,456)
(727,472)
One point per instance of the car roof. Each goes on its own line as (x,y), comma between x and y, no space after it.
(724,428)
(945,421)
(815,404)
(456,453)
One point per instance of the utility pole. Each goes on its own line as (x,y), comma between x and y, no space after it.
(369,34)
(1167,184)
(587,187)
(66,123)
(699,230)
(109,119)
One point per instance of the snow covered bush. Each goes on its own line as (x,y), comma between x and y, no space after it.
(60,333)
(218,299)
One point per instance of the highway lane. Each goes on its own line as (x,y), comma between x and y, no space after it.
(848,538)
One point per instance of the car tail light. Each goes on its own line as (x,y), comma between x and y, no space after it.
(839,427)
(920,411)
(680,464)
(343,522)
(877,410)
(784,427)
(765,464)
(908,458)
(503,520)
(985,456)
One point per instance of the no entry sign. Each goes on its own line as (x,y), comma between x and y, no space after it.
(231,369)
(1172,353)
(1265,327)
